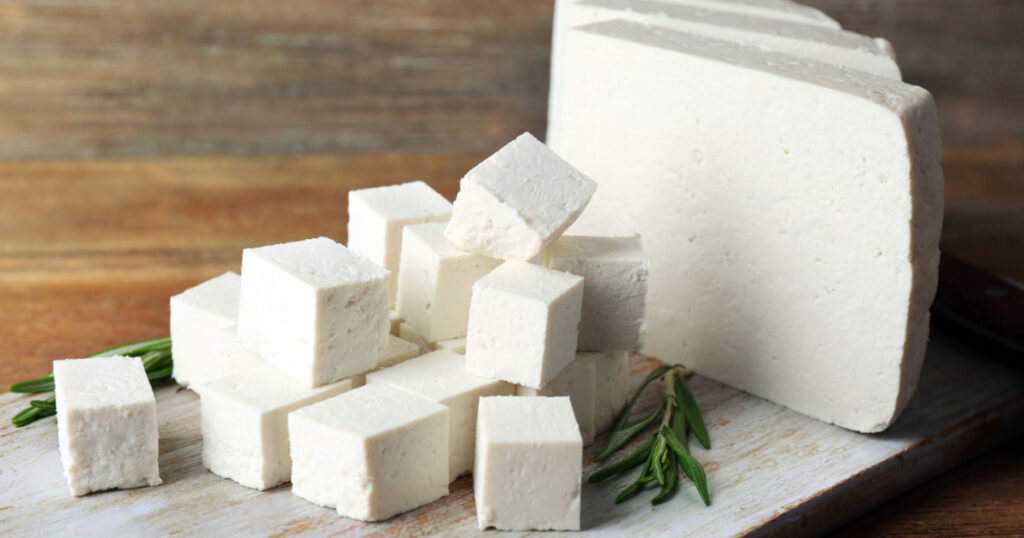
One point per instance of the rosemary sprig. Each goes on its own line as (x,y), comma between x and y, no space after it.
(156,359)
(666,452)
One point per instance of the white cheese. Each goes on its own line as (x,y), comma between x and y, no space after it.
(529,459)
(377,215)
(395,321)
(373,452)
(457,345)
(313,309)
(523,323)
(517,201)
(782,10)
(790,210)
(244,423)
(611,386)
(830,45)
(441,376)
(204,319)
(397,351)
(578,383)
(106,424)
(407,333)
(614,271)
(435,282)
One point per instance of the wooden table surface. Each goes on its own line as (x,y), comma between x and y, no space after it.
(144,143)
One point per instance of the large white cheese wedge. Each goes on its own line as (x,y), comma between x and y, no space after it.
(830,45)
(790,209)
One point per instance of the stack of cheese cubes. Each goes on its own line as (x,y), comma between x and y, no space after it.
(510,354)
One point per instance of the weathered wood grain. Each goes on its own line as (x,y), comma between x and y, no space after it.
(771,471)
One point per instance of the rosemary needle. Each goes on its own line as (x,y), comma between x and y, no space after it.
(665,453)
(156,359)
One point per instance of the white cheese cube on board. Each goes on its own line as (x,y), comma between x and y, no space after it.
(829,45)
(373,452)
(517,201)
(409,334)
(377,215)
(611,386)
(614,271)
(457,345)
(435,282)
(313,309)
(397,351)
(204,319)
(244,423)
(523,323)
(529,460)
(106,424)
(441,376)
(577,381)
(794,258)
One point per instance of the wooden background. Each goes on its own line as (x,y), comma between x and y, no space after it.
(143,143)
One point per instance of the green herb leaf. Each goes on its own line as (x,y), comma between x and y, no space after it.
(634,458)
(655,374)
(622,435)
(690,466)
(671,473)
(629,491)
(656,457)
(693,417)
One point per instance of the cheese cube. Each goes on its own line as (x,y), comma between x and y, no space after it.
(397,351)
(313,309)
(441,376)
(517,201)
(611,386)
(204,319)
(614,271)
(244,422)
(407,333)
(522,323)
(106,424)
(376,217)
(457,345)
(436,282)
(373,452)
(529,460)
(776,231)
(576,381)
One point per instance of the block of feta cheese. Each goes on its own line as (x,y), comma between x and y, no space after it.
(576,381)
(830,45)
(204,319)
(614,271)
(436,280)
(441,376)
(457,345)
(523,323)
(529,459)
(611,386)
(377,215)
(106,424)
(244,423)
(372,453)
(313,309)
(409,334)
(793,247)
(517,201)
(397,351)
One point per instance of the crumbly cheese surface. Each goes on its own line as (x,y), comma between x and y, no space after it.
(204,320)
(373,452)
(528,470)
(804,38)
(790,209)
(577,381)
(614,271)
(441,376)
(523,323)
(244,423)
(436,282)
(611,386)
(377,215)
(517,201)
(106,424)
(313,309)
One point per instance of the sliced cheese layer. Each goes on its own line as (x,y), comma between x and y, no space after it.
(830,45)
(790,209)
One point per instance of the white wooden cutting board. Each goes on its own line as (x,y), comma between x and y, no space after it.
(772,471)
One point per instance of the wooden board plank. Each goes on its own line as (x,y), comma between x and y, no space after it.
(771,471)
